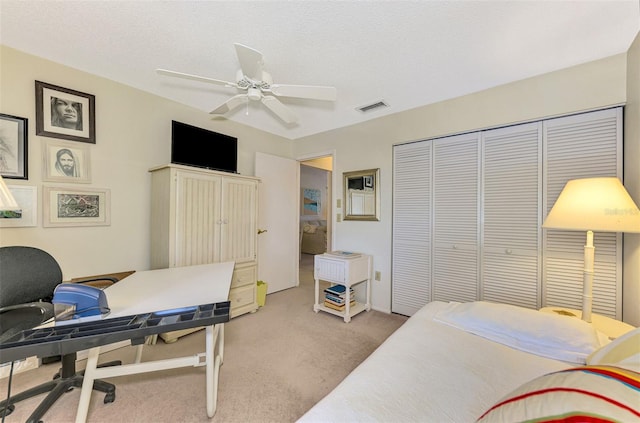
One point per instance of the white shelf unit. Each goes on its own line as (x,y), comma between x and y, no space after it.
(344,271)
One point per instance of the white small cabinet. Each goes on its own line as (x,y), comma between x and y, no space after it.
(201,216)
(344,271)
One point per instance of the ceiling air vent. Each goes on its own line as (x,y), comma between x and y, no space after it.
(372,106)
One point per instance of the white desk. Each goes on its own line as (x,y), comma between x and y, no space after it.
(164,289)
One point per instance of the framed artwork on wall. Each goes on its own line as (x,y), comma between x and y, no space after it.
(13,146)
(76,207)
(65,113)
(27,198)
(65,161)
(311,202)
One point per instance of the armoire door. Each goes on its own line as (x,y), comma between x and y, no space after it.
(198,221)
(238,222)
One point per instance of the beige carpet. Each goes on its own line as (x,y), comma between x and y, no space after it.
(278,363)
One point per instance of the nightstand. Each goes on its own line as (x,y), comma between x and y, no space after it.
(611,327)
(346,271)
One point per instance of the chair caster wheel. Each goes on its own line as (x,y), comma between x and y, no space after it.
(5,411)
(110,398)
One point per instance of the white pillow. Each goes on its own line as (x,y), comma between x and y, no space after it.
(548,335)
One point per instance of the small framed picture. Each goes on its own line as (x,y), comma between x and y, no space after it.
(13,147)
(65,161)
(27,198)
(75,207)
(65,113)
(368,181)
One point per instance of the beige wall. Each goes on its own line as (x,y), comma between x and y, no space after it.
(133,135)
(631,275)
(585,87)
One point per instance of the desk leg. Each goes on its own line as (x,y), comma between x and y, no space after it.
(87,385)
(214,336)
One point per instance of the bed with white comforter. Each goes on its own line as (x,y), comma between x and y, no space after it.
(451,362)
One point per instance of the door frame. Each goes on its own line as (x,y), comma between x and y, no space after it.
(330,192)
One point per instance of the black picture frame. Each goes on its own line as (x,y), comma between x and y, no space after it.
(65,113)
(14,147)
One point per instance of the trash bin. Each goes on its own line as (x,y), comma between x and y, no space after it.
(262,293)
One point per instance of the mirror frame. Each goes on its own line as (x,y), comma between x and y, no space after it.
(375,181)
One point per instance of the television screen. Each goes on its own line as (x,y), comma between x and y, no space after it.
(193,146)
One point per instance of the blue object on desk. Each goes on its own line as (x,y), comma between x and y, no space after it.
(85,300)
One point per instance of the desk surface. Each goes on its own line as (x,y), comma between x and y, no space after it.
(162,289)
(148,292)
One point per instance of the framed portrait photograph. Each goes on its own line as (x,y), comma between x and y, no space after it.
(65,113)
(27,198)
(65,161)
(75,207)
(13,146)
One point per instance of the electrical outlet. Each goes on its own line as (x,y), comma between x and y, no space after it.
(338,203)
(377,275)
(339,217)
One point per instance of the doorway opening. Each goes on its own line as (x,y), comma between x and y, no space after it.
(316,211)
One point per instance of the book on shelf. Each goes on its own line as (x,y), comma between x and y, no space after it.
(337,307)
(337,301)
(337,290)
(344,254)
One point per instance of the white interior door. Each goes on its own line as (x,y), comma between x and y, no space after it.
(278,217)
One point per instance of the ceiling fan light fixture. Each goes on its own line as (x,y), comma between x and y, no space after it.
(254,94)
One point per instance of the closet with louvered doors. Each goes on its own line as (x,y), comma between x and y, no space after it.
(468,211)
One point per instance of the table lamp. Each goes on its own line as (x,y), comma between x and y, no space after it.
(7,201)
(593,204)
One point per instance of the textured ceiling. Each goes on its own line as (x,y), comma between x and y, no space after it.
(407,53)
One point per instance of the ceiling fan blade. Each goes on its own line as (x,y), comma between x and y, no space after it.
(279,109)
(196,78)
(304,91)
(251,61)
(230,104)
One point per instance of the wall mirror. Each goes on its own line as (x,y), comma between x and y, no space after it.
(361,195)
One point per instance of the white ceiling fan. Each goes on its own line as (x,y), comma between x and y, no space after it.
(257,84)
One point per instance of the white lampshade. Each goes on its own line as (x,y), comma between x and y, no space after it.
(7,202)
(594,204)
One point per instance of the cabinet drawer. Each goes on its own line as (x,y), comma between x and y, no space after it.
(242,296)
(244,276)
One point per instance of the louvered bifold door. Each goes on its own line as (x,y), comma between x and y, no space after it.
(512,180)
(411,255)
(239,220)
(581,146)
(455,219)
(197,219)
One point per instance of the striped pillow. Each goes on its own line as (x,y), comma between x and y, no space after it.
(580,394)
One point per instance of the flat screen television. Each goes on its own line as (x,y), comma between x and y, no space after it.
(193,146)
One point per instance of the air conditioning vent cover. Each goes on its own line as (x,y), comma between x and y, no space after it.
(372,106)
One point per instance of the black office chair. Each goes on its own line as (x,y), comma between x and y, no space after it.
(28,277)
